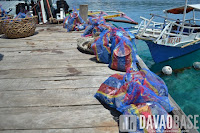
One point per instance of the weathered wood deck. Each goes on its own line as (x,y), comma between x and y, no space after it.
(47,85)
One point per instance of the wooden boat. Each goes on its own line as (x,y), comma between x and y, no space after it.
(106,15)
(171,38)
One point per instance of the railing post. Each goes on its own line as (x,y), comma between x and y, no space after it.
(84,12)
(162,32)
(147,25)
(140,26)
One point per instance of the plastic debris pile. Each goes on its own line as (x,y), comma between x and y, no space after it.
(116,47)
(3,16)
(74,22)
(138,92)
(22,15)
(2,12)
(95,24)
(113,46)
(150,109)
(134,87)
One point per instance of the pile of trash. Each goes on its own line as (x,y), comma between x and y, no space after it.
(95,25)
(113,46)
(23,15)
(2,12)
(119,91)
(116,47)
(74,22)
(3,16)
(139,91)
(151,110)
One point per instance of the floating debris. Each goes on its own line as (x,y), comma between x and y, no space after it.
(196,65)
(167,70)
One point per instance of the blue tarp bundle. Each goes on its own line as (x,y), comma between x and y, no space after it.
(22,15)
(93,26)
(96,20)
(2,12)
(119,91)
(123,55)
(101,47)
(116,47)
(137,93)
(152,109)
(74,22)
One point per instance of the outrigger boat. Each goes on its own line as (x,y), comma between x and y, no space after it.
(108,17)
(172,38)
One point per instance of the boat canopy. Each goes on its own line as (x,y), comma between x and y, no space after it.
(180,10)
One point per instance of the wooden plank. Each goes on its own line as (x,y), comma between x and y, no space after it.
(72,82)
(56,72)
(45,86)
(48,64)
(53,54)
(39,52)
(45,55)
(42,39)
(76,130)
(52,98)
(48,35)
(42,43)
(31,45)
(56,117)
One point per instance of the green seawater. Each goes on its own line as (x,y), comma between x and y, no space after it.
(183,85)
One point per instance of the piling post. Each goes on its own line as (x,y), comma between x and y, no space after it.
(84,12)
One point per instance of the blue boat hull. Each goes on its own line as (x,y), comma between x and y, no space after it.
(161,53)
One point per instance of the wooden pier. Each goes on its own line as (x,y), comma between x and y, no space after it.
(47,85)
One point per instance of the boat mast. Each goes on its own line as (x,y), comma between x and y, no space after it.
(185,8)
(184,14)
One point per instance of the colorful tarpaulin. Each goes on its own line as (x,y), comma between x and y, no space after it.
(74,22)
(96,20)
(123,55)
(2,12)
(93,25)
(101,47)
(150,110)
(116,47)
(23,15)
(119,91)
(138,93)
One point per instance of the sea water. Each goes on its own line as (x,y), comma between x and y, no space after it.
(184,86)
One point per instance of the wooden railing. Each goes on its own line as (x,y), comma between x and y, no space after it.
(158,31)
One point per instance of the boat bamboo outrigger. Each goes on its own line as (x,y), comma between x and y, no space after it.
(108,17)
(172,38)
